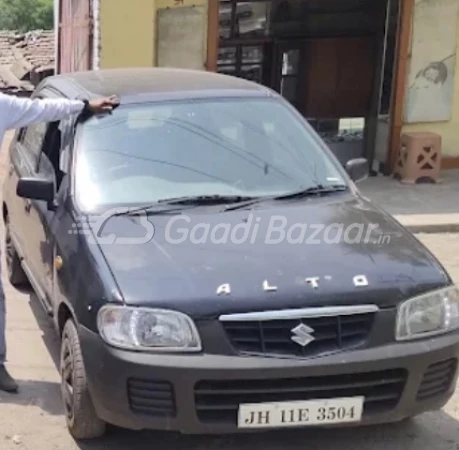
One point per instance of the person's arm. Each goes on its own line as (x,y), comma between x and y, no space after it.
(18,112)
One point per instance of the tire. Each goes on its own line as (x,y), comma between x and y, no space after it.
(82,420)
(16,273)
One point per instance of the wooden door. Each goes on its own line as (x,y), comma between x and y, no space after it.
(339,77)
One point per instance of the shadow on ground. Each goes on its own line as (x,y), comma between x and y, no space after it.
(432,431)
(43,394)
(50,336)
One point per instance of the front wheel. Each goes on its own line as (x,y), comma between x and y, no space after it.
(82,420)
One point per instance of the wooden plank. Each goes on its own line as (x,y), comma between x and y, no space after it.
(213,35)
(402,59)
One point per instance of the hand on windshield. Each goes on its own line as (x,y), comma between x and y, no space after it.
(103,105)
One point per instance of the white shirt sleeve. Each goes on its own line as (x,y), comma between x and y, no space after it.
(16,112)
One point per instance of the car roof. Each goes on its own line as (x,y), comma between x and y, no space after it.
(140,84)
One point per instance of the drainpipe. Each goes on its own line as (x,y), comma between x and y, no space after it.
(56,35)
(96,35)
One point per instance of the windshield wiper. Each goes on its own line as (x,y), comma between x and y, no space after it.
(148,209)
(315,190)
(237,201)
(206,200)
(160,207)
(245,204)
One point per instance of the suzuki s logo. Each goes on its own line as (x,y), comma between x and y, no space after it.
(302,335)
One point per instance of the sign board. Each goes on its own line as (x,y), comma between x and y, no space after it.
(182,37)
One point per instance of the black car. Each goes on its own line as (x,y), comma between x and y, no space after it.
(212,268)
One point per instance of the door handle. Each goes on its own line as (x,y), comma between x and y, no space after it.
(28,206)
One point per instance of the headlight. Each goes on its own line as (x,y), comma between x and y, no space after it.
(146,329)
(428,314)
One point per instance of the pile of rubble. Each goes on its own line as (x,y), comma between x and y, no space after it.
(25,59)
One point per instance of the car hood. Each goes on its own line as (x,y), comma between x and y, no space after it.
(327,243)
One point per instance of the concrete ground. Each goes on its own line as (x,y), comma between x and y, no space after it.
(401,199)
(431,208)
(33,420)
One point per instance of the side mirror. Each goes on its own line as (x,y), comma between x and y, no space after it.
(358,169)
(36,189)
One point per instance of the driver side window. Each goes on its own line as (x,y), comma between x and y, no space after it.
(32,139)
(48,163)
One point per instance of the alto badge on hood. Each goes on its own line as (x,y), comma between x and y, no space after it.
(314,282)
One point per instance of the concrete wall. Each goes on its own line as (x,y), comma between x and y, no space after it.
(426,46)
(128,31)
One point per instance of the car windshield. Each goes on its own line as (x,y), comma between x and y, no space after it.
(145,153)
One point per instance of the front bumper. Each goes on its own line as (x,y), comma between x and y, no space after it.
(199,394)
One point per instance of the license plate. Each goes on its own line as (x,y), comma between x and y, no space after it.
(301,413)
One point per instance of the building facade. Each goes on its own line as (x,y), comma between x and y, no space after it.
(360,71)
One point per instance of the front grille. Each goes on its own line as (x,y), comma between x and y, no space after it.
(151,397)
(437,379)
(218,401)
(274,337)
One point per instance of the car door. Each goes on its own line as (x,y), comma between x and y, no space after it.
(22,160)
(24,223)
(41,241)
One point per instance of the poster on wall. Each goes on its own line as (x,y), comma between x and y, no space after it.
(433,61)
(182,37)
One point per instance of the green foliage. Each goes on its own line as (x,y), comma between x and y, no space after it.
(26,15)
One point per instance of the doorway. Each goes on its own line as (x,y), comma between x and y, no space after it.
(331,59)
(319,77)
